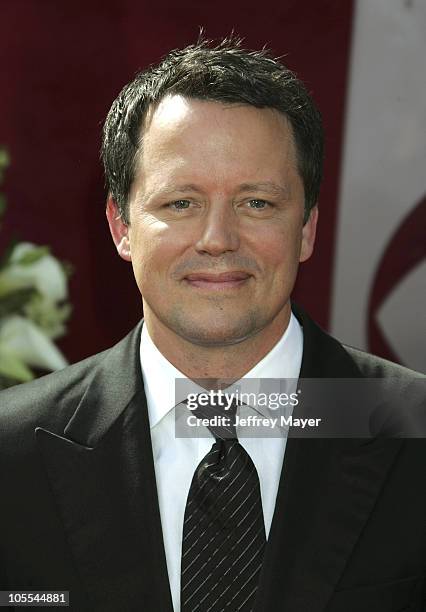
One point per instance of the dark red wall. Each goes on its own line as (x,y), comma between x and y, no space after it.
(62,65)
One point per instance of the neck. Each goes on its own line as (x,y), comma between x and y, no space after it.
(215,363)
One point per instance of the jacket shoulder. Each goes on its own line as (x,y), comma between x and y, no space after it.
(49,399)
(326,357)
(372,366)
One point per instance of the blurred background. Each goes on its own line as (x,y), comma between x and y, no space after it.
(64,63)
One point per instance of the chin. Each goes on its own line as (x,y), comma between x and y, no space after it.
(218,334)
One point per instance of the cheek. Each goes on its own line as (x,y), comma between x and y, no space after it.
(155,250)
(278,251)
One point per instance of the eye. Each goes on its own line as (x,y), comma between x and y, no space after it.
(258,204)
(180,204)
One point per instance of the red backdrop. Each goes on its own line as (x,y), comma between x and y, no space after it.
(64,63)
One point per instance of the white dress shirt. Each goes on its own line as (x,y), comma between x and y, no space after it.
(175,459)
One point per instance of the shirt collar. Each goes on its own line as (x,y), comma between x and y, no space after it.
(282,361)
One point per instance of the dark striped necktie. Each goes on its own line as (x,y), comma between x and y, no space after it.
(223,532)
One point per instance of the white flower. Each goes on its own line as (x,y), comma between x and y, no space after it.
(25,341)
(45,274)
(47,315)
(12,368)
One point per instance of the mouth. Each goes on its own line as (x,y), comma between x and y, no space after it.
(217,282)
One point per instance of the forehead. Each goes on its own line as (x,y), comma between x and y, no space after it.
(178,116)
(184,137)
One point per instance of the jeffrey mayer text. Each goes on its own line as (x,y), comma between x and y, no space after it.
(253,421)
(289,421)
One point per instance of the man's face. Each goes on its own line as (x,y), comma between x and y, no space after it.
(216,221)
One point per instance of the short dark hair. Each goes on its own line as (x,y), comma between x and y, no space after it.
(225,73)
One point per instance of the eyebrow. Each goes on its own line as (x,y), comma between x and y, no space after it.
(265,187)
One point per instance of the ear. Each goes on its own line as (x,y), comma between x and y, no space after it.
(309,231)
(119,230)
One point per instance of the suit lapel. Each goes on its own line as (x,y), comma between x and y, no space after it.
(101,473)
(327,491)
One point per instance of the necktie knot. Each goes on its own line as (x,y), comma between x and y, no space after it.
(218,416)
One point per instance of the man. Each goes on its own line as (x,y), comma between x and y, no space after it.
(213,163)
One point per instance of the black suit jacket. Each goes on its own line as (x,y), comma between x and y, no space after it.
(79,507)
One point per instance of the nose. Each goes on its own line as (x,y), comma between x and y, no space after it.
(219,231)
